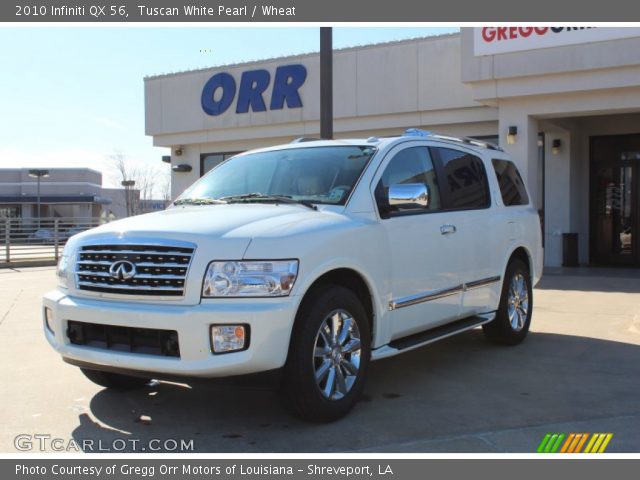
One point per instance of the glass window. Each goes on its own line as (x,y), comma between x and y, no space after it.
(210,160)
(466,179)
(511,185)
(411,165)
(314,174)
(9,211)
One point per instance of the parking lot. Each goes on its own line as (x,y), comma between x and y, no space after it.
(578,371)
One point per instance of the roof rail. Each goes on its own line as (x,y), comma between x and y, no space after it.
(304,139)
(482,143)
(416,132)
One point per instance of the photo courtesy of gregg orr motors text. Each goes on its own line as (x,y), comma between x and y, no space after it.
(255,468)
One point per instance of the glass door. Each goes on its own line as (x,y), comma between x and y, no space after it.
(614,199)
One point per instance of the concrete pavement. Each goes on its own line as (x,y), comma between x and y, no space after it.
(577,372)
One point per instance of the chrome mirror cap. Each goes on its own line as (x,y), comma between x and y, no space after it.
(408,195)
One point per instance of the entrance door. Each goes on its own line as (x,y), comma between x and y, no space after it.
(615,208)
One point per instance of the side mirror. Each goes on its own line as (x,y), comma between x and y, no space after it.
(408,195)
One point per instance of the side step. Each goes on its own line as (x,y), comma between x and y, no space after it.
(426,337)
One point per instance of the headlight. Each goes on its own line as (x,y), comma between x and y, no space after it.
(62,270)
(250,279)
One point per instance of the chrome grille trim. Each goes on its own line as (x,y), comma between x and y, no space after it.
(136,287)
(142,276)
(139,264)
(161,268)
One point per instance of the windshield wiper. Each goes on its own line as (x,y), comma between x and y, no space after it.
(257,196)
(198,201)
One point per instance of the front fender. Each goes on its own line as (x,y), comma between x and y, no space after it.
(362,248)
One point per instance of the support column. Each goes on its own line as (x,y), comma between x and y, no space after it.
(558,188)
(524,151)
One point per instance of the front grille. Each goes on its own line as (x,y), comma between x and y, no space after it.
(124,339)
(158,270)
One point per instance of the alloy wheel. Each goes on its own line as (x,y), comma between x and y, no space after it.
(336,356)
(518,302)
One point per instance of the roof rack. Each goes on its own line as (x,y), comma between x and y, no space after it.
(416,132)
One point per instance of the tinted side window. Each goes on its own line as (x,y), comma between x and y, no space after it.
(465,182)
(511,184)
(411,165)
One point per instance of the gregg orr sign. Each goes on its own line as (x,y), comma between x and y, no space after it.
(220,90)
(496,40)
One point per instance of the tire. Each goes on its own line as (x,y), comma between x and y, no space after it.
(513,318)
(341,365)
(114,380)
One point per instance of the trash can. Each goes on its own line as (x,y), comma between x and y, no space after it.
(569,249)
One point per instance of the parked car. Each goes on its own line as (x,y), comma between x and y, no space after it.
(42,235)
(313,258)
(71,232)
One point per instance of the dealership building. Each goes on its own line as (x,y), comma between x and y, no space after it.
(564,102)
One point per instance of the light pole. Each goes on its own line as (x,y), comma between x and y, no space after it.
(127,184)
(326,82)
(38,173)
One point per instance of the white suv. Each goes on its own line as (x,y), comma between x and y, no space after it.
(315,258)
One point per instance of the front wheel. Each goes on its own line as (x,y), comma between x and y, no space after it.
(513,317)
(329,356)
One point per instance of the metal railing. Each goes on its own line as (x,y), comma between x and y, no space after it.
(33,241)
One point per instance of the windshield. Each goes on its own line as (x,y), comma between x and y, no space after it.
(324,175)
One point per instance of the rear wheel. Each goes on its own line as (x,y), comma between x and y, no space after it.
(114,380)
(329,356)
(513,317)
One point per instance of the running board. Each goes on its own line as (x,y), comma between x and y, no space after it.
(426,337)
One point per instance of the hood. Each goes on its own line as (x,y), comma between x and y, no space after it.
(247,220)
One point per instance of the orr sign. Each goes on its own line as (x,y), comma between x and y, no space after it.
(496,40)
(219,93)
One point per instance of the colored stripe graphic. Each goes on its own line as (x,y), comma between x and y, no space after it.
(598,443)
(581,443)
(574,442)
(604,445)
(565,447)
(556,445)
(590,444)
(543,443)
(550,443)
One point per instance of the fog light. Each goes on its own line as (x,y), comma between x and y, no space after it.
(229,338)
(48,318)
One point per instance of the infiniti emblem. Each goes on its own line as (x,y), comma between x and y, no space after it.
(122,270)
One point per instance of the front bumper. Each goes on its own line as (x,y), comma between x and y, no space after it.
(270,322)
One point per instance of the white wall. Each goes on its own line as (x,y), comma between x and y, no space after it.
(558,198)
(378,90)
(420,75)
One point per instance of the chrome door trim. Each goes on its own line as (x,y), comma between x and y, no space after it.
(423,297)
(437,294)
(481,283)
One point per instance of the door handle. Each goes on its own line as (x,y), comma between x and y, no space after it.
(447,229)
